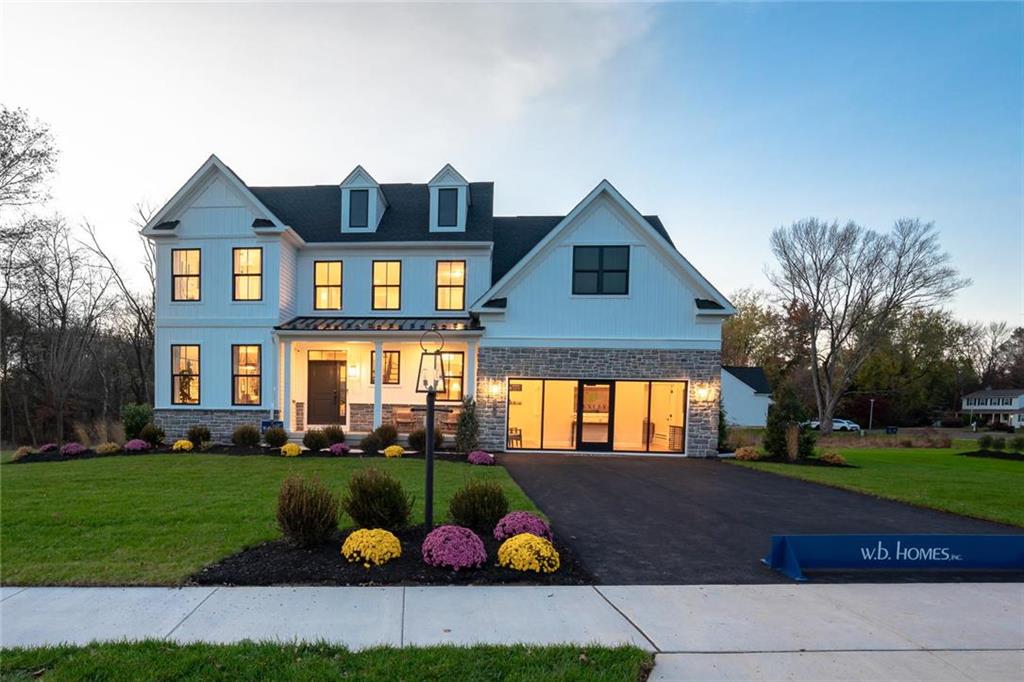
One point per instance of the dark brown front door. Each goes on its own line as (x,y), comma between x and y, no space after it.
(594,415)
(327,392)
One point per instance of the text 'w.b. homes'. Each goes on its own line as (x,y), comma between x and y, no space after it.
(583,332)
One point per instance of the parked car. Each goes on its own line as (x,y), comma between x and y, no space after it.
(837,425)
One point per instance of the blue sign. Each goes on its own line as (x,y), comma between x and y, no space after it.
(792,554)
(270,424)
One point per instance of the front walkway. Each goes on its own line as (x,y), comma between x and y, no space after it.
(918,631)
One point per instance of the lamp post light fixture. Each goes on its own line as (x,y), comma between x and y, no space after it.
(430,379)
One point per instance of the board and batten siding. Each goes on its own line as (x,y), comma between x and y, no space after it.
(658,312)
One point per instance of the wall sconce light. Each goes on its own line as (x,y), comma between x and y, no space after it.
(353,371)
(705,392)
(494,387)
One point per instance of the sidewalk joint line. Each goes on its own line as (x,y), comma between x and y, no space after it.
(189,614)
(713,652)
(628,620)
(401,630)
(19,591)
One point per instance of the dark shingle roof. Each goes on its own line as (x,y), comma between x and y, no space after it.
(708,304)
(996,393)
(377,324)
(167,225)
(751,376)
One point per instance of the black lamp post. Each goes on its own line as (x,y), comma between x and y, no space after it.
(430,380)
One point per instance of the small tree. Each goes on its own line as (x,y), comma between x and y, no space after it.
(468,430)
(723,428)
(784,413)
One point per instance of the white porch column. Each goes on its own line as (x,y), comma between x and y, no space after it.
(378,371)
(471,346)
(286,393)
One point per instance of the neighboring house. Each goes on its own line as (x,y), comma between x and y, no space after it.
(746,396)
(1004,405)
(587,331)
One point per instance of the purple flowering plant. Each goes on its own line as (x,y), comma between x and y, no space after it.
(136,445)
(480,457)
(517,522)
(72,449)
(339,449)
(453,547)
(48,447)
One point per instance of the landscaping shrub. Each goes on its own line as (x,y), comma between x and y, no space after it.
(453,547)
(339,449)
(747,454)
(22,452)
(480,457)
(48,447)
(182,446)
(376,499)
(371,547)
(1001,426)
(335,434)
(998,444)
(418,440)
(246,435)
(136,445)
(723,427)
(109,448)
(198,434)
(467,431)
(275,436)
(394,451)
(833,457)
(72,449)
(478,504)
(906,442)
(518,522)
(370,444)
(291,450)
(152,434)
(315,440)
(785,412)
(985,442)
(135,417)
(528,552)
(386,434)
(307,511)
(1016,444)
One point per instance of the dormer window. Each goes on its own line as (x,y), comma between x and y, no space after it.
(449,201)
(448,207)
(362,202)
(359,207)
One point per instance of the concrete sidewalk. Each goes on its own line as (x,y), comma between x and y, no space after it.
(959,631)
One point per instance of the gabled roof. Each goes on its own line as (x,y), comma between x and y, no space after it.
(751,376)
(996,393)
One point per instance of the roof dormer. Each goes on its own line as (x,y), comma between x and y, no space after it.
(362,202)
(449,201)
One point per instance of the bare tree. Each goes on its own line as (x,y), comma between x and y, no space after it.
(27,158)
(855,285)
(990,347)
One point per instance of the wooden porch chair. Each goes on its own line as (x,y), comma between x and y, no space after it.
(404,419)
(450,422)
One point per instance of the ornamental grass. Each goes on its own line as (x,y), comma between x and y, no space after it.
(307,511)
(454,547)
(369,547)
(479,504)
(528,552)
(108,448)
(518,522)
(747,454)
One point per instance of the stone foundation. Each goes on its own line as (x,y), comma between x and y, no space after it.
(693,366)
(221,423)
(361,416)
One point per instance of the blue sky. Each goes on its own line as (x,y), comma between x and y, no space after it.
(725,119)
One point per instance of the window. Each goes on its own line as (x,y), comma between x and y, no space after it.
(453,364)
(451,285)
(327,284)
(185,275)
(359,208)
(600,270)
(245,375)
(247,268)
(387,284)
(447,207)
(185,375)
(392,367)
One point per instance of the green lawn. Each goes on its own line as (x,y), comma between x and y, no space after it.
(155,519)
(972,486)
(155,660)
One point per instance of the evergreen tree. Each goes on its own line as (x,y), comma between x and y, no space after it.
(784,412)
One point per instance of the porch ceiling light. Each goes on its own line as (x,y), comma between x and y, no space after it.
(430,378)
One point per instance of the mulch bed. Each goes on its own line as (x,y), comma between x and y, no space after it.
(278,563)
(807,462)
(995,454)
(233,451)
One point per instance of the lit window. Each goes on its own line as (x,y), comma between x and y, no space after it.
(451,285)
(387,284)
(247,269)
(447,207)
(327,285)
(392,367)
(359,208)
(185,375)
(453,363)
(245,375)
(185,275)
(600,270)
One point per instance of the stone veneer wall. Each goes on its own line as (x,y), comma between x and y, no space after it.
(221,423)
(694,366)
(361,416)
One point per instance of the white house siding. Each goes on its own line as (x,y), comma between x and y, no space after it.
(289,293)
(742,406)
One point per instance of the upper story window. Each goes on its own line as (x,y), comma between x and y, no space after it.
(359,208)
(184,375)
(448,207)
(245,375)
(185,275)
(247,271)
(600,270)
(451,285)
(327,284)
(387,284)
(391,362)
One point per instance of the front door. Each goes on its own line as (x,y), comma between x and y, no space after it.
(594,415)
(327,400)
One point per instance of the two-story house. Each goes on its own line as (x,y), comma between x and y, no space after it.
(1001,405)
(587,331)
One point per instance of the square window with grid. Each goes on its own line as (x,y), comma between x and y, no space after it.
(600,270)
(245,375)
(184,375)
(387,284)
(451,285)
(185,275)
(327,276)
(247,274)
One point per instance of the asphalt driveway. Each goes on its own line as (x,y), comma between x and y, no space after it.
(662,521)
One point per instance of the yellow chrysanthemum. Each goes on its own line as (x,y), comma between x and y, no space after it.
(290,450)
(371,547)
(182,446)
(394,451)
(528,552)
